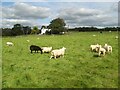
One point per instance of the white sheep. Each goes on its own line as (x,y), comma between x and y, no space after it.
(9,44)
(94,35)
(46,49)
(58,52)
(116,37)
(28,40)
(101,51)
(108,48)
(94,47)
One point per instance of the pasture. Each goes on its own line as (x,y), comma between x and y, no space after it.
(80,68)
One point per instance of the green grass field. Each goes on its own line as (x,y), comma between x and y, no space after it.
(80,68)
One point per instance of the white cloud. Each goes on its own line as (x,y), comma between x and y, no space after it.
(24,14)
(25,22)
(87,17)
(23,10)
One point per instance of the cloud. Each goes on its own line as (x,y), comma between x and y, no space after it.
(23,10)
(24,14)
(87,17)
(25,22)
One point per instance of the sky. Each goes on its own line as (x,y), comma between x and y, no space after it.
(75,13)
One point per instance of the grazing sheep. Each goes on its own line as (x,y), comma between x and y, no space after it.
(58,53)
(35,48)
(94,47)
(46,49)
(28,40)
(116,37)
(94,35)
(9,44)
(108,48)
(101,51)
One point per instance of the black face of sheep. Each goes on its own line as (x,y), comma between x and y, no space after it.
(35,48)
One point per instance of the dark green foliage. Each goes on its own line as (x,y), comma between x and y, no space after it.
(57,25)
(35,30)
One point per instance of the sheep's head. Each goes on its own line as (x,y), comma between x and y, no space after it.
(105,44)
(64,48)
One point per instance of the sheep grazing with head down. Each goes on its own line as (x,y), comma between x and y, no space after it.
(101,51)
(9,44)
(94,47)
(46,49)
(35,48)
(58,52)
(108,48)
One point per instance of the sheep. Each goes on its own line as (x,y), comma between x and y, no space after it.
(101,51)
(9,44)
(94,47)
(58,52)
(46,49)
(94,35)
(108,48)
(28,40)
(35,48)
(116,37)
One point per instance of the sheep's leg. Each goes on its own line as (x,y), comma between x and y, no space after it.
(51,57)
(55,57)
(31,51)
(99,54)
(41,52)
(103,53)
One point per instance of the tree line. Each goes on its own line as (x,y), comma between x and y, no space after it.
(57,26)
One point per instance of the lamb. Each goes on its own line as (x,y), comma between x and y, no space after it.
(35,48)
(101,51)
(9,44)
(94,47)
(46,49)
(58,52)
(108,48)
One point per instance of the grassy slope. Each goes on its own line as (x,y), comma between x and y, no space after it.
(78,69)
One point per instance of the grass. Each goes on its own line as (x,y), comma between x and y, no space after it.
(80,68)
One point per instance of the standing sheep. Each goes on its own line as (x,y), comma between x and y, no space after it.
(9,44)
(58,52)
(101,51)
(46,49)
(94,47)
(35,48)
(108,48)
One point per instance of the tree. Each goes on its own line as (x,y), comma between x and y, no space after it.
(17,29)
(57,25)
(26,30)
(35,30)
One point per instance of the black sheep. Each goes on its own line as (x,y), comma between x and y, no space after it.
(35,48)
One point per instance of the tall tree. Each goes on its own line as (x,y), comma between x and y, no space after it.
(17,29)
(57,25)
(35,30)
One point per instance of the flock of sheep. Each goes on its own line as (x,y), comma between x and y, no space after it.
(101,50)
(54,53)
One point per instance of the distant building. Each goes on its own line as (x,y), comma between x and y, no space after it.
(43,30)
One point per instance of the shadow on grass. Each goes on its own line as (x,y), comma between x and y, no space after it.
(96,55)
